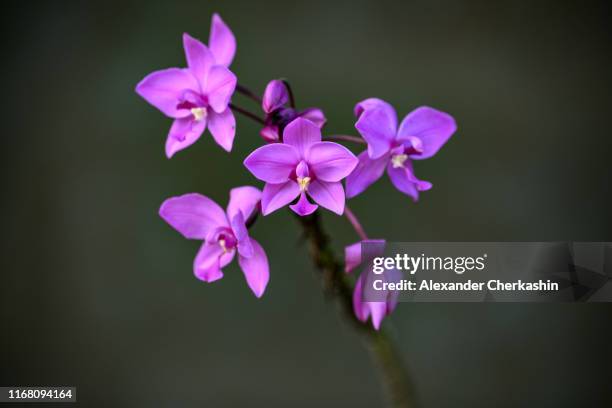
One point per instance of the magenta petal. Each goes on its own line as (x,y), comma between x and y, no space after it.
(221,41)
(328,195)
(193,215)
(366,173)
(431,126)
(375,103)
(330,161)
(360,308)
(244,199)
(392,275)
(378,311)
(378,129)
(209,261)
(352,256)
(275,96)
(404,180)
(241,233)
(222,126)
(314,115)
(303,206)
(256,269)
(164,89)
(272,163)
(275,196)
(269,133)
(301,134)
(220,87)
(302,170)
(199,58)
(183,133)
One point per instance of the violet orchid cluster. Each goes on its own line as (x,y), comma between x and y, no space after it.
(300,168)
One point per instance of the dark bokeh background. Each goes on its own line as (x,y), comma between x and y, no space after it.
(96,291)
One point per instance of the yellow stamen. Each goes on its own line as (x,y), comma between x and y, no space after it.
(222,244)
(198,113)
(398,160)
(303,182)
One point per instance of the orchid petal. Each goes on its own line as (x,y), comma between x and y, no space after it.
(269,133)
(431,126)
(392,275)
(275,96)
(404,180)
(352,256)
(366,173)
(375,103)
(360,308)
(208,262)
(273,163)
(303,206)
(330,161)
(222,127)
(221,41)
(378,128)
(275,196)
(183,133)
(193,215)
(243,199)
(242,235)
(256,269)
(199,58)
(302,170)
(301,134)
(164,89)
(220,87)
(314,115)
(378,311)
(328,194)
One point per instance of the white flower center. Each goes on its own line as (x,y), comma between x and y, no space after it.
(398,160)
(199,114)
(303,183)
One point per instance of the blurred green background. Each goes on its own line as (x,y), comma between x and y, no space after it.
(97,292)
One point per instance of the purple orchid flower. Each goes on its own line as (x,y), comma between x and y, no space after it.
(198,96)
(279,114)
(301,165)
(420,135)
(376,310)
(224,233)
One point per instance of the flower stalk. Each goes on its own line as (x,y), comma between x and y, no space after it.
(346,138)
(246,113)
(355,223)
(248,93)
(336,285)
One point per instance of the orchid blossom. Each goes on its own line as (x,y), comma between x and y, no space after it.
(224,233)
(420,135)
(198,96)
(302,165)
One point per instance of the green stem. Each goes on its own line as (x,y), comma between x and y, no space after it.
(336,285)
(346,138)
(247,113)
